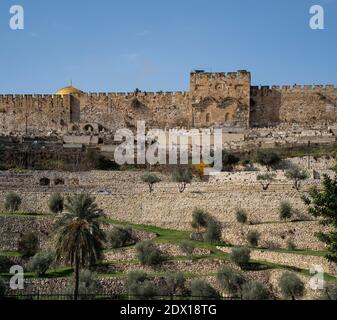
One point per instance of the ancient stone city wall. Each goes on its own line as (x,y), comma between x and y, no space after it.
(225,99)
(307,106)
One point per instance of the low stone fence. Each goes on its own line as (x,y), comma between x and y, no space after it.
(118,286)
(276,235)
(12,227)
(64,286)
(300,261)
(167,249)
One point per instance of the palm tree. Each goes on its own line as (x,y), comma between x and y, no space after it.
(80,237)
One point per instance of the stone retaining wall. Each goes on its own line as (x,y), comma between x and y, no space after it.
(276,235)
(300,261)
(117,286)
(167,249)
(12,227)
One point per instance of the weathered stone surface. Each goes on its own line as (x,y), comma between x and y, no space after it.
(225,99)
(12,227)
(300,261)
(167,249)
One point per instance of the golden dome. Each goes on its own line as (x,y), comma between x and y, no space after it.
(68,90)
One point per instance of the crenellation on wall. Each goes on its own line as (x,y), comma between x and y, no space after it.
(215,99)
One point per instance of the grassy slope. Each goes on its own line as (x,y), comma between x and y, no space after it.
(175,237)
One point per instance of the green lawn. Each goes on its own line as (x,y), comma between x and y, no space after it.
(163,235)
(10,254)
(175,237)
(25,215)
(62,272)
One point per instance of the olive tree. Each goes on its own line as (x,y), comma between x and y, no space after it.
(183,177)
(286,210)
(140,287)
(231,281)
(28,244)
(187,247)
(267,158)
(297,175)
(240,257)
(322,204)
(202,290)
(174,284)
(121,236)
(291,286)
(41,262)
(148,253)
(213,231)
(12,202)
(56,203)
(330,292)
(199,219)
(254,290)
(253,238)
(266,180)
(229,161)
(241,216)
(151,179)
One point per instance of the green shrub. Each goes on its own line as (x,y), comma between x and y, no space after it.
(286,210)
(183,177)
(241,216)
(291,245)
(255,290)
(202,220)
(291,286)
(253,238)
(296,174)
(151,179)
(2,288)
(267,158)
(140,287)
(105,164)
(187,247)
(229,161)
(213,231)
(266,180)
(137,276)
(202,290)
(199,219)
(330,292)
(12,202)
(148,253)
(231,281)
(240,257)
(41,262)
(56,203)
(197,236)
(28,244)
(174,284)
(121,236)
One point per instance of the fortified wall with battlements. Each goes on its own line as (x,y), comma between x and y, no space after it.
(214,100)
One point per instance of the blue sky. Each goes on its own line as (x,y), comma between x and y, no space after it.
(107,45)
